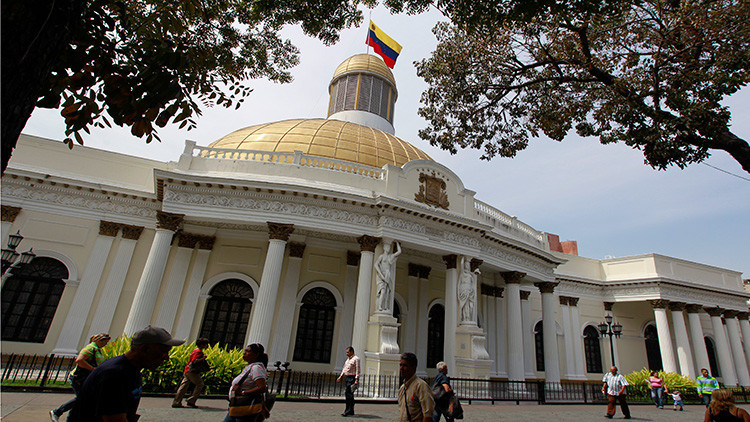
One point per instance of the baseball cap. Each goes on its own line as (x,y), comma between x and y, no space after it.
(154,335)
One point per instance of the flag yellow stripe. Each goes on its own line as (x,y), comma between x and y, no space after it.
(385,38)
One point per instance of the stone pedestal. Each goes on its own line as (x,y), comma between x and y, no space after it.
(383,334)
(472,359)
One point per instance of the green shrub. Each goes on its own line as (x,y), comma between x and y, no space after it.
(639,380)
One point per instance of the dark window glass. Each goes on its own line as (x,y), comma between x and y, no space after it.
(712,357)
(29,300)
(592,349)
(317,316)
(435,335)
(653,352)
(539,346)
(227,313)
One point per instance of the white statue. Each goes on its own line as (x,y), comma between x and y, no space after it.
(385,269)
(467,294)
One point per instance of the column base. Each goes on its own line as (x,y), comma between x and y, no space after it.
(380,364)
(471,368)
(383,334)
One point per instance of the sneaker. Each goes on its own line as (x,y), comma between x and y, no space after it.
(627,417)
(608,416)
(53,416)
(177,405)
(193,405)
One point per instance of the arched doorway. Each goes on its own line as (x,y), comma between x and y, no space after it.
(592,349)
(228,313)
(653,352)
(711,350)
(539,345)
(435,335)
(399,318)
(317,317)
(30,298)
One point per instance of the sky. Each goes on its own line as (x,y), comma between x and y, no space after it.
(603,197)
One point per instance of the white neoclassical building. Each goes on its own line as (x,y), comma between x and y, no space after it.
(310,235)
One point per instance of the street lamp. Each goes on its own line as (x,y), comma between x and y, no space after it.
(11,258)
(611,330)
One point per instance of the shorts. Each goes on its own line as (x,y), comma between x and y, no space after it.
(678,403)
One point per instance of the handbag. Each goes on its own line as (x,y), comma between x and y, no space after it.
(199,366)
(438,392)
(245,405)
(455,410)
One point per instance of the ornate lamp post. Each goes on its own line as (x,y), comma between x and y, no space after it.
(611,330)
(11,258)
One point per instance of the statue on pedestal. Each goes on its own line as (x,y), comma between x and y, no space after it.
(467,292)
(385,269)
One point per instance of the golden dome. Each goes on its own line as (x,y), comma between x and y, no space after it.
(325,138)
(365,63)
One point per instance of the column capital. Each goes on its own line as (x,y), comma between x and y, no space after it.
(169,221)
(714,312)
(475,263)
(108,228)
(424,272)
(513,277)
(525,294)
(279,231)
(368,243)
(677,306)
(131,232)
(730,313)
(563,300)
(9,213)
(659,303)
(573,301)
(414,269)
(499,291)
(187,240)
(608,306)
(296,249)
(352,258)
(206,242)
(694,308)
(450,261)
(546,286)
(743,316)
(487,290)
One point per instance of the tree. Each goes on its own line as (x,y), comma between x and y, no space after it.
(649,73)
(147,63)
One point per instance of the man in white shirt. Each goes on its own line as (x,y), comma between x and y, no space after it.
(614,387)
(350,372)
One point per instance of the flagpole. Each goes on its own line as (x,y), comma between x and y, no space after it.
(367,49)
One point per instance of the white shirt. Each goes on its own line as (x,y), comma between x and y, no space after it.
(614,383)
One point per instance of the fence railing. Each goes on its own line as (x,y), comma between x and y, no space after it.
(35,371)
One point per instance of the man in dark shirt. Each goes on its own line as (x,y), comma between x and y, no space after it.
(113,390)
(441,379)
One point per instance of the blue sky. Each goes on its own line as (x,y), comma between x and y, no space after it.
(604,197)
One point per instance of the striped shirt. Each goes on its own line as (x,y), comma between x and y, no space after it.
(614,383)
(707,385)
(351,367)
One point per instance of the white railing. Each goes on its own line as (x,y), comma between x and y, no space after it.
(505,223)
(292,158)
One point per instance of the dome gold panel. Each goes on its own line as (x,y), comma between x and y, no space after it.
(325,138)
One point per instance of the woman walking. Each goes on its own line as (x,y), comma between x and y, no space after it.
(657,389)
(247,394)
(722,408)
(88,358)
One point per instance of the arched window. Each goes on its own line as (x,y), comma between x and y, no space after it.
(227,313)
(539,346)
(29,299)
(317,316)
(653,352)
(435,335)
(592,349)
(712,357)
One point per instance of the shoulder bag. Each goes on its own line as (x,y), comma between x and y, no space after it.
(245,405)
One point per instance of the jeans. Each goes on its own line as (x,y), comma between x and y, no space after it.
(706,399)
(349,394)
(656,394)
(76,384)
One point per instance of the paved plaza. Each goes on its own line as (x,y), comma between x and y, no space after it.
(26,407)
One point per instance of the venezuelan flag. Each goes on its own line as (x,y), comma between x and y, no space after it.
(383,45)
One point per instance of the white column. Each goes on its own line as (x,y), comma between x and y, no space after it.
(570,363)
(684,354)
(148,287)
(451,310)
(745,328)
(176,281)
(364,285)
(347,317)
(200,310)
(107,303)
(529,358)
(410,339)
(190,304)
(282,333)
(490,327)
(265,305)
(424,294)
(501,359)
(723,350)
(69,340)
(575,323)
(515,327)
(697,338)
(665,337)
(549,327)
(740,364)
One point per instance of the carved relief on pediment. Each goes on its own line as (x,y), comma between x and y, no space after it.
(432,191)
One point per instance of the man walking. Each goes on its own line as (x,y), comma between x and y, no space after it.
(113,390)
(350,373)
(415,402)
(614,387)
(706,386)
(192,375)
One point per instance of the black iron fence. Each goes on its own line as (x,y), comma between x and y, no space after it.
(36,371)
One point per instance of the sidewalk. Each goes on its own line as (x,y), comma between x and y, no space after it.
(35,407)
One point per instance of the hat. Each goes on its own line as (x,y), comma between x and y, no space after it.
(154,335)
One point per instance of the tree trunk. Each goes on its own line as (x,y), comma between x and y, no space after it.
(34,33)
